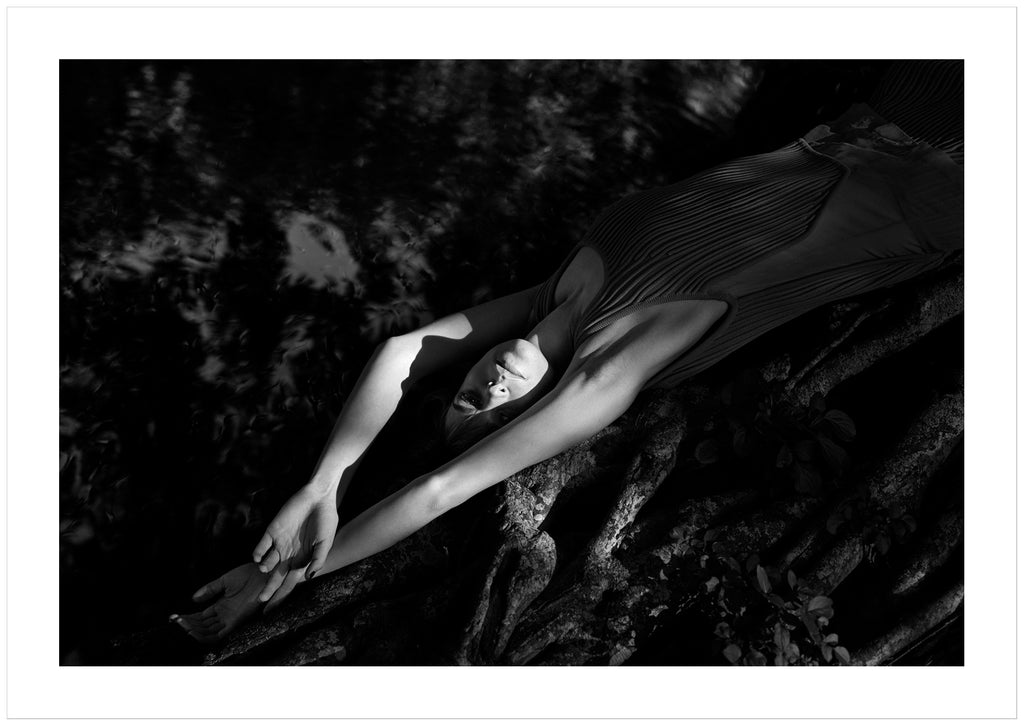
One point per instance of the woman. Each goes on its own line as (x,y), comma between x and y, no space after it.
(665,283)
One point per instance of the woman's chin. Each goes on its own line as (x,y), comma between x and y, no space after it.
(528,359)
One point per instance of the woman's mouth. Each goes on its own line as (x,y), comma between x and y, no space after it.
(506,366)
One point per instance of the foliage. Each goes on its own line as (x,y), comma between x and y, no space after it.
(759,431)
(879,526)
(763,616)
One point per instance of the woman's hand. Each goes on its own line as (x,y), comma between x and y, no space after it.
(237,598)
(297,539)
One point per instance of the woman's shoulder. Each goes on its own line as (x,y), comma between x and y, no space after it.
(583,277)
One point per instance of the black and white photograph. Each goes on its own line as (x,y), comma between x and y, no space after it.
(512,362)
(548,360)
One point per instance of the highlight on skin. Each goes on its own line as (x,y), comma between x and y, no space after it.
(499,387)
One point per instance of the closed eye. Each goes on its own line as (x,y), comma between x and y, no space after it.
(462,406)
(468,399)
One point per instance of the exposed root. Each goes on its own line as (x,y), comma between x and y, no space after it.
(900,479)
(911,628)
(837,563)
(931,552)
(844,332)
(935,304)
(646,472)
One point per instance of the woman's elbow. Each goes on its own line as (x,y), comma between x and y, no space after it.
(607,381)
(396,344)
(602,376)
(436,495)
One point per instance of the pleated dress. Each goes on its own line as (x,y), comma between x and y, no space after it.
(852,206)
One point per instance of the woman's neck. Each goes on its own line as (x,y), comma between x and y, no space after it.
(553,335)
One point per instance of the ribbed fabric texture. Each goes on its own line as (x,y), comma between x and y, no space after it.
(926,100)
(848,209)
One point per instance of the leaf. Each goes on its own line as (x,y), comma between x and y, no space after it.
(842,654)
(842,424)
(781,636)
(784,458)
(756,658)
(812,628)
(834,521)
(706,452)
(808,480)
(762,580)
(832,638)
(753,561)
(817,403)
(741,443)
(826,652)
(805,450)
(818,602)
(882,543)
(791,579)
(732,652)
(712,584)
(834,454)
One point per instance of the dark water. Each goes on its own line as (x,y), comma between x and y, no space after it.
(236,237)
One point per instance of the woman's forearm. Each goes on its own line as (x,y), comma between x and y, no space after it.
(388,521)
(371,404)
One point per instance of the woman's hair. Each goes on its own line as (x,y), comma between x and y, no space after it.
(467,430)
(433,400)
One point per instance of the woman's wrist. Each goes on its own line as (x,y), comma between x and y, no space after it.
(321,486)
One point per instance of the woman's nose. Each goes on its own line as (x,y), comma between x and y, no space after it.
(497,388)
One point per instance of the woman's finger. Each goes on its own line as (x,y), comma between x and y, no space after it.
(320,550)
(273,582)
(207,616)
(205,636)
(198,629)
(282,592)
(265,543)
(210,590)
(223,632)
(270,561)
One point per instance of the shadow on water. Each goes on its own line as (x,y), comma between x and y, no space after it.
(236,237)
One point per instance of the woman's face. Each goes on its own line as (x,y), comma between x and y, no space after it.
(500,385)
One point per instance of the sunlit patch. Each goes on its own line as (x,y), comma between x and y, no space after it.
(211,369)
(319,255)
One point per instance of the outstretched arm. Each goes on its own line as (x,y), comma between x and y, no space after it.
(301,534)
(600,384)
(598,387)
(580,406)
